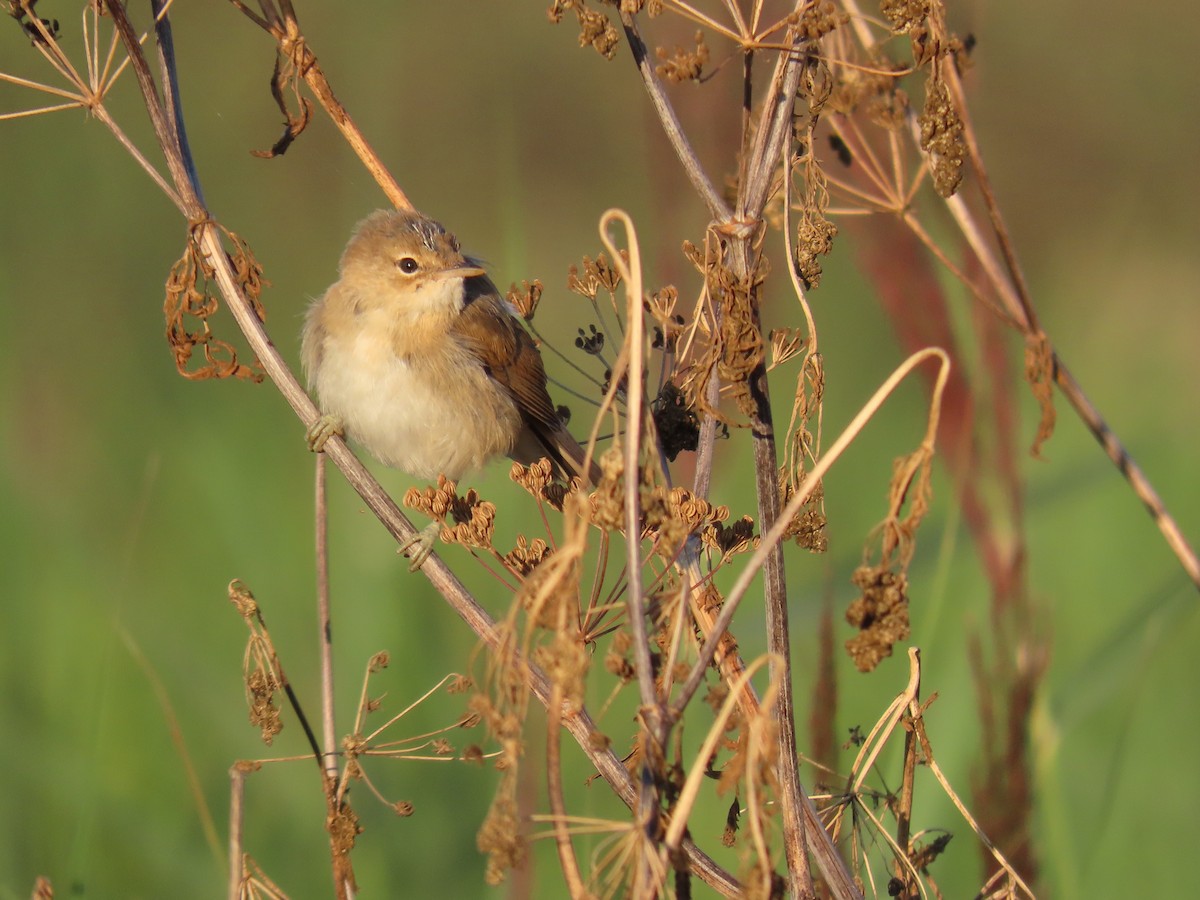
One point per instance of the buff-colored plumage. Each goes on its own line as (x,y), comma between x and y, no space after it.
(417,357)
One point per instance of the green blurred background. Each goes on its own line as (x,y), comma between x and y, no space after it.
(130,497)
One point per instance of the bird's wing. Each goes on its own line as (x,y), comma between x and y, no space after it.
(506,350)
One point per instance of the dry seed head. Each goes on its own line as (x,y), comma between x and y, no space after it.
(736,538)
(525,557)
(261,687)
(880,614)
(785,343)
(534,479)
(817,20)
(683,65)
(608,500)
(566,661)
(905,15)
(814,239)
(942,138)
(695,511)
(526,298)
(501,839)
(475,521)
(675,420)
(243,599)
(550,597)
(620,666)
(343,830)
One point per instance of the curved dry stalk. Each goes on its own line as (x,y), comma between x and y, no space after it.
(918,721)
(774,536)
(696,775)
(632,358)
(562,838)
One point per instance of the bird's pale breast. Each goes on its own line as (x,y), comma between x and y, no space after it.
(436,412)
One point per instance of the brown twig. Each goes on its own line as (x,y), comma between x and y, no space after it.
(562,838)
(325,623)
(773,130)
(717,207)
(237,801)
(281,23)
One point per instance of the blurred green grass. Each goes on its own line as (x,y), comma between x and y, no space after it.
(132,497)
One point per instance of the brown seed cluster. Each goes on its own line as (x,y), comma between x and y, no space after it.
(683,64)
(880,614)
(818,19)
(474,519)
(525,557)
(525,299)
(597,273)
(942,137)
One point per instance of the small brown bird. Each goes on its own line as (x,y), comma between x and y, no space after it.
(415,355)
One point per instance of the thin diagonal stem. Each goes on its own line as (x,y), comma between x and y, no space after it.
(670,122)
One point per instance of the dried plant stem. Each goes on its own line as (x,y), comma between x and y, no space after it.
(1018,308)
(1014,294)
(562,837)
(691,787)
(905,802)
(325,625)
(670,122)
(281,23)
(759,166)
(632,359)
(773,131)
(1142,488)
(237,805)
(918,722)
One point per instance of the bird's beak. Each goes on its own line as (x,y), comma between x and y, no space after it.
(463,271)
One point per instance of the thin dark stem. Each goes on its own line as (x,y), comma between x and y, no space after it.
(774,129)
(174,109)
(904,811)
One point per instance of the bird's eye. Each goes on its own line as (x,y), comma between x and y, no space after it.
(407,265)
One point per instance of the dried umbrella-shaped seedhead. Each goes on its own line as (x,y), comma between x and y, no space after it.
(474,519)
(526,298)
